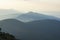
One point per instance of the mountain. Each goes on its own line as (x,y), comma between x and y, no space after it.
(43,30)
(34,30)
(9,16)
(12,26)
(8,13)
(24,17)
(32,16)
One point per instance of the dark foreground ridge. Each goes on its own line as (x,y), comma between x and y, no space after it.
(35,30)
(6,36)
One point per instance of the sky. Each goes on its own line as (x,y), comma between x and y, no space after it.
(31,5)
(48,7)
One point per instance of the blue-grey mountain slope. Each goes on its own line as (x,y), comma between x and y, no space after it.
(43,30)
(12,26)
(24,17)
(32,16)
(34,30)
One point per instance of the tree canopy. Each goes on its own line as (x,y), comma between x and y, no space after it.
(6,36)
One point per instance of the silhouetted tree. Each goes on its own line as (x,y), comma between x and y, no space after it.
(6,36)
(0,29)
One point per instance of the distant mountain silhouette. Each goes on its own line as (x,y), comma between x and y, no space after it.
(8,13)
(34,30)
(24,17)
(32,16)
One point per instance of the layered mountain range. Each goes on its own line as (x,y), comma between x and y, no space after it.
(35,30)
(31,26)
(27,17)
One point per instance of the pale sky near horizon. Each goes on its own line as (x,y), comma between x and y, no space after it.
(31,5)
(52,6)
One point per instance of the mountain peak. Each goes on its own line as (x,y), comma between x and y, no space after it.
(32,16)
(31,12)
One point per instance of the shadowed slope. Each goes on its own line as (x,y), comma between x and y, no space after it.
(12,26)
(43,30)
(35,30)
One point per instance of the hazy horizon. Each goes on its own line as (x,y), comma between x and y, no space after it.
(31,5)
(48,7)
(30,19)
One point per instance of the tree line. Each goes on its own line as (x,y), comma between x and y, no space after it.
(6,36)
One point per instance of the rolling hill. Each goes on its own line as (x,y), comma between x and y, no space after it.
(34,30)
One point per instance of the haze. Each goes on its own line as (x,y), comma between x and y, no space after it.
(32,5)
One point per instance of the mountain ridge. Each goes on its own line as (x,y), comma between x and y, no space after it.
(32,16)
(26,17)
(34,30)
